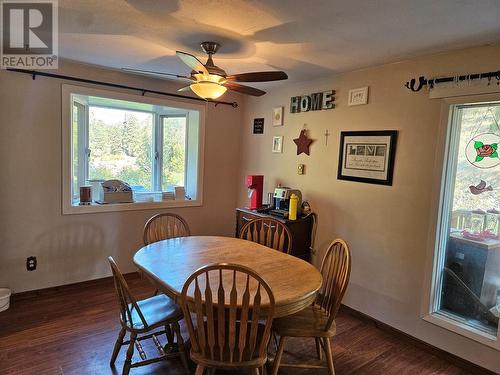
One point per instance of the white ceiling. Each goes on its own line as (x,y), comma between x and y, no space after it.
(307,39)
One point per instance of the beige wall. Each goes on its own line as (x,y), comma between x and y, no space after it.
(72,248)
(387,227)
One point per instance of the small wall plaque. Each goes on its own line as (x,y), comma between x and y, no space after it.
(278,144)
(278,116)
(258,126)
(358,96)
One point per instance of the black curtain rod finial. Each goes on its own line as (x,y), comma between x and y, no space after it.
(411,84)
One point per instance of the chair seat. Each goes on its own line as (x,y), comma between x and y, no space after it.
(157,311)
(310,322)
(248,362)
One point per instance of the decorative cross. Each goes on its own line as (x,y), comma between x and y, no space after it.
(327,134)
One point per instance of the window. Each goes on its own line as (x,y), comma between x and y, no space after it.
(467,266)
(120,146)
(149,144)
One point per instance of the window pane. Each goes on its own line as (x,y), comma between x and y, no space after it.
(174,152)
(120,143)
(470,276)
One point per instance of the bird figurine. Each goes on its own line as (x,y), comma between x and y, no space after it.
(480,188)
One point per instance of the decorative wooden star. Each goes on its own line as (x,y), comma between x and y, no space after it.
(303,143)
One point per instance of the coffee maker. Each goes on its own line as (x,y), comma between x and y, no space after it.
(282,200)
(255,185)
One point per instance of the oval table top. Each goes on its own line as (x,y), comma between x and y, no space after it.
(169,263)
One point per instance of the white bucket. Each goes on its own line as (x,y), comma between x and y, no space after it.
(4,299)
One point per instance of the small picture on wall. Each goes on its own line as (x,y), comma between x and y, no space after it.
(278,116)
(367,156)
(258,126)
(358,96)
(278,144)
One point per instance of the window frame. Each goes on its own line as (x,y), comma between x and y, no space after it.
(439,215)
(83,147)
(187,109)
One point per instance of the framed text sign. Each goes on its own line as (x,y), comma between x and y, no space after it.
(367,156)
(258,126)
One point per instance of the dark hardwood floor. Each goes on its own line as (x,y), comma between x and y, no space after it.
(72,331)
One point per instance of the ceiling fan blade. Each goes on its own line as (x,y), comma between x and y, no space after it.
(192,62)
(244,89)
(186,88)
(258,76)
(155,72)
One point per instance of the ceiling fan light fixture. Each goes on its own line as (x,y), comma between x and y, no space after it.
(208,86)
(208,89)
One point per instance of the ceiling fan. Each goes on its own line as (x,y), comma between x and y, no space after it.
(208,81)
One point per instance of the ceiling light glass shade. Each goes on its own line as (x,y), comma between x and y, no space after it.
(208,90)
(208,86)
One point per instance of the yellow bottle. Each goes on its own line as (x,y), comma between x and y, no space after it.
(292,209)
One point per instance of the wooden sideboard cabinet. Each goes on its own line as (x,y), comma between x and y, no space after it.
(301,230)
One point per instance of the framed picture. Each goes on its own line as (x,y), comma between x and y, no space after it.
(358,96)
(258,126)
(278,143)
(367,156)
(278,116)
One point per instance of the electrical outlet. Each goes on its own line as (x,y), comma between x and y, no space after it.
(31,263)
(300,168)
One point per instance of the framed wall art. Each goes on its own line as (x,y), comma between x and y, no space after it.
(367,156)
(278,144)
(277,116)
(258,126)
(358,96)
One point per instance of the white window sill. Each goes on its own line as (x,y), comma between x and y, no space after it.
(463,329)
(96,208)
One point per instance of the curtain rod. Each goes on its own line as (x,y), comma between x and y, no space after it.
(35,73)
(422,81)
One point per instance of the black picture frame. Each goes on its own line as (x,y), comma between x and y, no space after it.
(378,177)
(258,126)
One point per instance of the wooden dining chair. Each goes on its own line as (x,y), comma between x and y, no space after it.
(164,226)
(318,320)
(142,318)
(232,308)
(268,232)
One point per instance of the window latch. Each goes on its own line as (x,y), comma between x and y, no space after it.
(157,155)
(87,152)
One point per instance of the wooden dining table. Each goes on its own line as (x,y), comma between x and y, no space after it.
(168,264)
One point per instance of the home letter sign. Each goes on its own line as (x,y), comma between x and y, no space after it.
(312,102)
